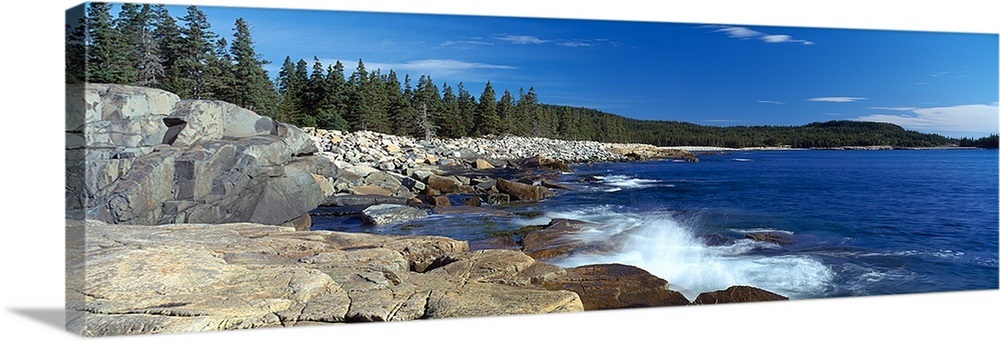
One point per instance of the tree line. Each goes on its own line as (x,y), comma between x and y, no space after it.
(144,45)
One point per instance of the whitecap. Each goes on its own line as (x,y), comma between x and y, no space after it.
(660,244)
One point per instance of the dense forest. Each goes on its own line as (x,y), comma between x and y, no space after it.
(144,45)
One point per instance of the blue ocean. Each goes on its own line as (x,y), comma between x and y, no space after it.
(861,222)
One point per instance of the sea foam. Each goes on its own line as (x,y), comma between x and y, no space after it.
(664,246)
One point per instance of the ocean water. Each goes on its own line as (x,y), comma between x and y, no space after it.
(862,222)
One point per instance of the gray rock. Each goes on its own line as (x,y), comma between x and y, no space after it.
(390,213)
(149,158)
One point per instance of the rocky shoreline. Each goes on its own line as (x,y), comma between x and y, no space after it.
(190,215)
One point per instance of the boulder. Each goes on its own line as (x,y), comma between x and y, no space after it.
(149,158)
(780,238)
(521,191)
(615,286)
(483,164)
(440,201)
(738,294)
(371,190)
(443,184)
(362,200)
(557,240)
(390,213)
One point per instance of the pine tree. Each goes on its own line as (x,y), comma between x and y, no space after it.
(467,108)
(487,119)
(403,117)
(107,53)
(528,114)
(335,105)
(427,96)
(253,89)
(452,126)
(136,25)
(505,111)
(76,50)
(167,38)
(195,52)
(221,78)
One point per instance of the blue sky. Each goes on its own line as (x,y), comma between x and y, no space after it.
(713,74)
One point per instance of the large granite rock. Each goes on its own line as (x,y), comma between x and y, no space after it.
(522,191)
(195,277)
(558,239)
(143,156)
(615,286)
(738,294)
(390,213)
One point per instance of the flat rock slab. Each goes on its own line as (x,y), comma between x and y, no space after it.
(738,294)
(615,286)
(124,279)
(390,213)
(557,240)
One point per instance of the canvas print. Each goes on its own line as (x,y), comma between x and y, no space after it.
(233,168)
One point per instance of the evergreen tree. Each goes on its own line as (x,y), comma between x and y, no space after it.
(359,112)
(167,39)
(253,89)
(221,78)
(505,111)
(195,52)
(427,96)
(527,114)
(335,104)
(452,125)
(136,24)
(76,49)
(107,53)
(467,108)
(487,119)
(402,115)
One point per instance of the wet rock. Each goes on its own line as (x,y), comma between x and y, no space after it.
(738,294)
(443,184)
(389,213)
(557,240)
(483,164)
(780,238)
(362,200)
(615,286)
(440,201)
(474,201)
(521,191)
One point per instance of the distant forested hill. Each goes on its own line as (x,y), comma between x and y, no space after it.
(589,124)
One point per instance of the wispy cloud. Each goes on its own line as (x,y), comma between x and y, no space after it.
(534,40)
(970,118)
(521,40)
(466,42)
(771,102)
(836,99)
(894,108)
(746,33)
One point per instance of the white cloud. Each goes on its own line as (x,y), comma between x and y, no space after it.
(746,33)
(574,44)
(771,102)
(776,38)
(740,32)
(836,99)
(894,108)
(521,40)
(969,118)
(466,42)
